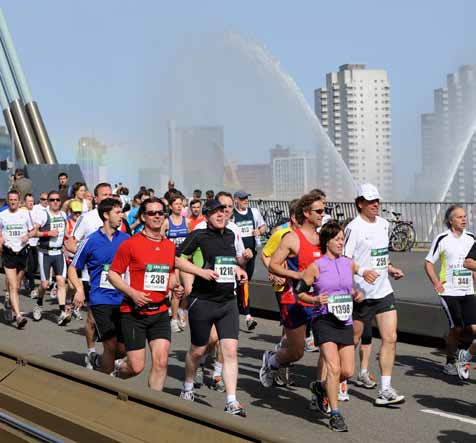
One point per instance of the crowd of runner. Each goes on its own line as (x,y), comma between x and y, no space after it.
(149,266)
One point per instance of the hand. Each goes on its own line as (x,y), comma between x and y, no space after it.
(178,291)
(439,288)
(140,298)
(24,238)
(208,274)
(370,276)
(256,233)
(247,254)
(358,296)
(78,300)
(321,299)
(396,273)
(53,233)
(276,279)
(241,275)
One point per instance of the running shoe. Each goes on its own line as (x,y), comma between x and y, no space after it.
(267,373)
(182,318)
(33,294)
(91,360)
(63,318)
(337,423)
(187,395)
(76,313)
(198,377)
(217,384)
(8,310)
(21,322)
(235,408)
(251,324)
(319,401)
(37,312)
(309,345)
(462,365)
(366,380)
(343,393)
(389,397)
(450,369)
(174,326)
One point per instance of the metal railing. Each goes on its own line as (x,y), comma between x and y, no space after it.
(427,217)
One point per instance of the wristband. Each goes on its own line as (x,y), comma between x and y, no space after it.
(360,272)
(45,234)
(302,286)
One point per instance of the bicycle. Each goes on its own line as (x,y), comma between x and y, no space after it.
(402,234)
(339,217)
(272,217)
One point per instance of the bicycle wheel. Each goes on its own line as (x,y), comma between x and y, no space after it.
(398,241)
(409,231)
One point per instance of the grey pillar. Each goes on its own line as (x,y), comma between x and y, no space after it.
(31,106)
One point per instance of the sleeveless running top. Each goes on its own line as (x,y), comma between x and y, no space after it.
(177,233)
(306,255)
(335,277)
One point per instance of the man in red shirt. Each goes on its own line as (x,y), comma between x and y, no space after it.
(144,310)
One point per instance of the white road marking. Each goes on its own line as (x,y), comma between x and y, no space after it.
(454,417)
(248,368)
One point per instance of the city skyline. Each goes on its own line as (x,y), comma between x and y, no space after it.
(98,78)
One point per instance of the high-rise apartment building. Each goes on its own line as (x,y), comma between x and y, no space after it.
(448,141)
(354,109)
(91,155)
(196,157)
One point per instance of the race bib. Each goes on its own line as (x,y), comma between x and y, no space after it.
(340,305)
(178,240)
(156,278)
(58,224)
(379,259)
(15,230)
(462,279)
(104,282)
(246,228)
(225,268)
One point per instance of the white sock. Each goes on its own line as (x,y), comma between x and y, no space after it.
(91,350)
(385,382)
(273,362)
(217,369)
(248,317)
(187,387)
(230,399)
(363,371)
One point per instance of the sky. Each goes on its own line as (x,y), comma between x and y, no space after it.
(96,67)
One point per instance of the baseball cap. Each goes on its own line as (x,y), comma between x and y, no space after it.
(76,206)
(368,191)
(241,194)
(210,206)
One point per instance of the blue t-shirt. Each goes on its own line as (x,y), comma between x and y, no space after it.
(96,252)
(132,217)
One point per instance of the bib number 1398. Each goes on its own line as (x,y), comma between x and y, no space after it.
(156,278)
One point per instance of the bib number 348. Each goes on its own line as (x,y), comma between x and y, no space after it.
(156,278)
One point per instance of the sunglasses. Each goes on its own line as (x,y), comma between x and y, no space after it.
(54,200)
(318,211)
(43,199)
(152,213)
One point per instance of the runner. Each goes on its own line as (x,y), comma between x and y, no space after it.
(86,225)
(298,249)
(332,279)
(175,229)
(366,242)
(96,252)
(212,299)
(144,313)
(196,215)
(51,232)
(284,376)
(32,259)
(455,284)
(252,226)
(78,195)
(16,228)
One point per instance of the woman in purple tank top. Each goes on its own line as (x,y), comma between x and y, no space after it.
(331,278)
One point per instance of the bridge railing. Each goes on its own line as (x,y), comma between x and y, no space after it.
(427,217)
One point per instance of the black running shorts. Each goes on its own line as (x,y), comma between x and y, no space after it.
(203,314)
(460,310)
(107,319)
(12,260)
(368,309)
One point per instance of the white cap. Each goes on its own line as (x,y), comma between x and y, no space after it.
(368,191)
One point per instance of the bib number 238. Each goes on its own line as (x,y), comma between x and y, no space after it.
(156,278)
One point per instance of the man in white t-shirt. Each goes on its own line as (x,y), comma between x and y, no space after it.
(366,242)
(16,229)
(455,284)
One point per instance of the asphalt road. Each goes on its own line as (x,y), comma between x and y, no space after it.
(438,407)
